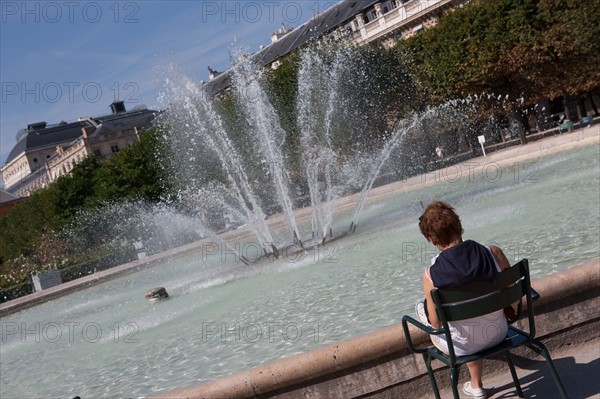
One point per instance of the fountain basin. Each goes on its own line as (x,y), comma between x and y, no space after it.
(210,327)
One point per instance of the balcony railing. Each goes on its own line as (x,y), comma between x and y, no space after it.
(395,18)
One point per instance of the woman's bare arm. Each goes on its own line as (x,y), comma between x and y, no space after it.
(431,313)
(503,263)
(500,257)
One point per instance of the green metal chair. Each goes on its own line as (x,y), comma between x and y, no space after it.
(586,121)
(566,126)
(477,299)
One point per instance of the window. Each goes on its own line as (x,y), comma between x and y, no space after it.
(114,148)
(97,152)
(360,23)
(372,15)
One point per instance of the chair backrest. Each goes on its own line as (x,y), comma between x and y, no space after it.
(480,298)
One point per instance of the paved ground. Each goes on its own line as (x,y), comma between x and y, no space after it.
(577,365)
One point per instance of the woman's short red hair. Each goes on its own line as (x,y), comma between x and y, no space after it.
(440,224)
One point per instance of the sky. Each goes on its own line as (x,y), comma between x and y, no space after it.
(60,60)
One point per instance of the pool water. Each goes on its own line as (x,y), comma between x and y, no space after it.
(223,316)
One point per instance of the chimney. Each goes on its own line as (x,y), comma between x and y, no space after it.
(117,107)
(36,126)
(87,130)
(212,73)
(281,32)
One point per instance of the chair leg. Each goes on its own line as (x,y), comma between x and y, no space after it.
(427,360)
(541,349)
(454,381)
(514,374)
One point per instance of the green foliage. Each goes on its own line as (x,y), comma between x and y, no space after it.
(282,89)
(560,54)
(530,48)
(74,192)
(238,130)
(25,222)
(136,172)
(376,90)
(380,93)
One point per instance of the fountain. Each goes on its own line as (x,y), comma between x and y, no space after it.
(320,80)
(259,161)
(224,316)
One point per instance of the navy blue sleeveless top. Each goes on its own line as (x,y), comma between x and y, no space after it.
(463,263)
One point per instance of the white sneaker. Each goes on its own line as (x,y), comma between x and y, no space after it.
(420,311)
(477,393)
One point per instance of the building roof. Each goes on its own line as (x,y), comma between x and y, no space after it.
(313,28)
(138,118)
(5,196)
(47,137)
(39,135)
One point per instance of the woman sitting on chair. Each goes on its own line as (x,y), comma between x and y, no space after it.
(460,262)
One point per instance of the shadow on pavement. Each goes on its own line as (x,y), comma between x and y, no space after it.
(581,380)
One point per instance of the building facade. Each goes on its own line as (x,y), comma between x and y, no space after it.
(392,20)
(360,21)
(45,152)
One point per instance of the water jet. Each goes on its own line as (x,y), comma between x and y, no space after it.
(225,315)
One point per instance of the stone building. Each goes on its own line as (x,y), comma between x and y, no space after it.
(45,152)
(360,21)
(392,20)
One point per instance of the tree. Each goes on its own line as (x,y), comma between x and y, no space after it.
(282,88)
(560,54)
(529,49)
(74,192)
(26,221)
(137,172)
